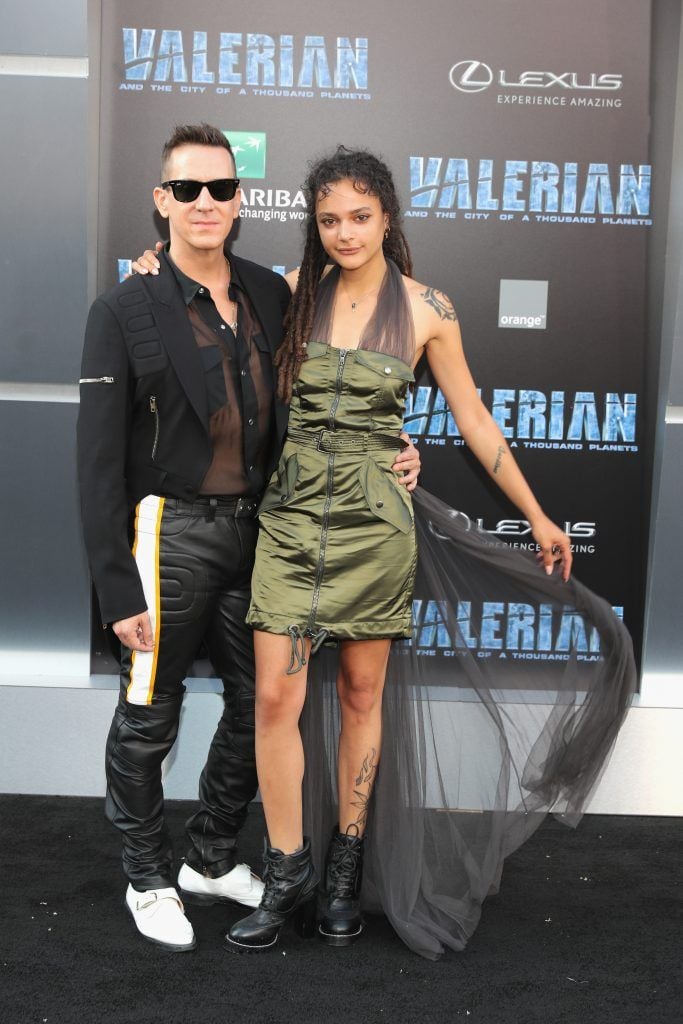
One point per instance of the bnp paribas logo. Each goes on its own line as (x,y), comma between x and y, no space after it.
(250,153)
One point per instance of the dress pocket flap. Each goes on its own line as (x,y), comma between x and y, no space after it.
(384,365)
(282,486)
(384,498)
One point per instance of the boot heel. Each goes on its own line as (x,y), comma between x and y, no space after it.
(304,919)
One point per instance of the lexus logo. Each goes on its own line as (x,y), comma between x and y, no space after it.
(475,76)
(465,523)
(471,76)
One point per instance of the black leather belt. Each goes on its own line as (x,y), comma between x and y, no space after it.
(345,440)
(215,505)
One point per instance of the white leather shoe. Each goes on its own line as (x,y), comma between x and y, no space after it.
(237,886)
(159,917)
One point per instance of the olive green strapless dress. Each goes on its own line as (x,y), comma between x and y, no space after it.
(336,549)
(336,554)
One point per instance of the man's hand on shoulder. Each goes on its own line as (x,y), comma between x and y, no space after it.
(135,632)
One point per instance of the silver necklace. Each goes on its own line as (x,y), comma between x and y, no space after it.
(356,302)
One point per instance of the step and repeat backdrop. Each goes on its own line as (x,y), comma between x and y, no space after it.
(518,135)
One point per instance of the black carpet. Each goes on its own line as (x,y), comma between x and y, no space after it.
(585,929)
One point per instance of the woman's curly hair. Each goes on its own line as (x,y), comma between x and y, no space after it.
(370,176)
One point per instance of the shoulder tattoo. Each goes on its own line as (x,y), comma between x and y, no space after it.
(440,303)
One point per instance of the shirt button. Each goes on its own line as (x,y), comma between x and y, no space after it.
(244,373)
(387,369)
(251,423)
(380,504)
(222,327)
(201,291)
(251,469)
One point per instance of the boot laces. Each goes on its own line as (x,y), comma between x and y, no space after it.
(274,886)
(343,869)
(271,889)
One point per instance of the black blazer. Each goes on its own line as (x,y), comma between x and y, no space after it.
(143,418)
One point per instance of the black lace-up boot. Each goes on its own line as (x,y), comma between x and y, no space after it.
(341,923)
(290,891)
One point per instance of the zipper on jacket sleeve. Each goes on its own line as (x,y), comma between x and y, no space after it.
(154,409)
(96,380)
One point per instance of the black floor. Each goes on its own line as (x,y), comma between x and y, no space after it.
(586,929)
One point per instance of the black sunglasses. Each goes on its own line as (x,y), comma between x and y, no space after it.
(186,191)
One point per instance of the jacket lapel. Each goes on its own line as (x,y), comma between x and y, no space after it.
(178,339)
(265,303)
(269,311)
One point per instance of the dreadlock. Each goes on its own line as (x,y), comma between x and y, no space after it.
(370,176)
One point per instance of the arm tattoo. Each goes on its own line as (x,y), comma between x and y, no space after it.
(441,303)
(365,778)
(499,458)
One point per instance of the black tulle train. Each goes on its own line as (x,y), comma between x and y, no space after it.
(514,718)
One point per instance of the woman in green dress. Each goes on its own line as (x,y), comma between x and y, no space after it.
(337,554)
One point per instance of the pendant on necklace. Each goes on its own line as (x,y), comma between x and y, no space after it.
(353,307)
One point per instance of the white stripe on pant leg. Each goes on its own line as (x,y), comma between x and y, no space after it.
(146,550)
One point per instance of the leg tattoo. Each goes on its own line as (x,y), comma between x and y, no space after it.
(362,796)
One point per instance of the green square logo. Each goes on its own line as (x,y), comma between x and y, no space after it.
(250,153)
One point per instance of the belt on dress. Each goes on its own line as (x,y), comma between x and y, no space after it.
(345,440)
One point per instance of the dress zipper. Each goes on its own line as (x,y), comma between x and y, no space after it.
(96,380)
(328,496)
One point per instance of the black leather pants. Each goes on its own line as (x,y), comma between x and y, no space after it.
(201,558)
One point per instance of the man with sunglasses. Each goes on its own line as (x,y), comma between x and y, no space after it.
(178,432)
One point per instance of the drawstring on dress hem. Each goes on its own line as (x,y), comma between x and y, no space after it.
(298,655)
